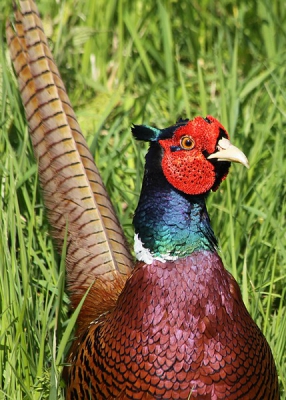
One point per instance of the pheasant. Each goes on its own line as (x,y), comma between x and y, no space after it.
(172,326)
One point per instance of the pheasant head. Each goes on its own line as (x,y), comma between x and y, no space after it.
(195,155)
(184,162)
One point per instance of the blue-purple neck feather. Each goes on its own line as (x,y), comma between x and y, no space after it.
(167,221)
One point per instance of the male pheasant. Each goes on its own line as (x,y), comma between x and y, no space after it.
(175,326)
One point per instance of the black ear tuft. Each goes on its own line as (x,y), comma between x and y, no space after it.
(146,133)
(151,134)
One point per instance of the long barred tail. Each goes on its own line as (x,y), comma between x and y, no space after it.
(74,194)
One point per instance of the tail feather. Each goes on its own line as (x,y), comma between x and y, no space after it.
(74,194)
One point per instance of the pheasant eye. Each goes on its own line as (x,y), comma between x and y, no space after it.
(187,143)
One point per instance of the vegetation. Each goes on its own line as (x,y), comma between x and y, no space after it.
(127,62)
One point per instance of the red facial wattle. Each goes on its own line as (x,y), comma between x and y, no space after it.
(189,170)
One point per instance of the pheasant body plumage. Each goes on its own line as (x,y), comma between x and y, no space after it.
(174,327)
(178,329)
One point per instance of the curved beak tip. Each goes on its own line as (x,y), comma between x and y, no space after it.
(229,152)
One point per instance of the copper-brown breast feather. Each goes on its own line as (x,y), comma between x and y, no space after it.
(155,344)
(74,194)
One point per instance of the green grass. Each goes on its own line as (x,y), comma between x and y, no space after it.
(127,62)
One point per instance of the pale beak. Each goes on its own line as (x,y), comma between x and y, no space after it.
(228,152)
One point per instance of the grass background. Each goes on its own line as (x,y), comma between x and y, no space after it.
(138,61)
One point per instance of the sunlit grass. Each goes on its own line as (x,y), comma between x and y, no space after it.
(127,62)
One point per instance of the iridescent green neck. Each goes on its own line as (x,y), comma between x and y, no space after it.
(168,223)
